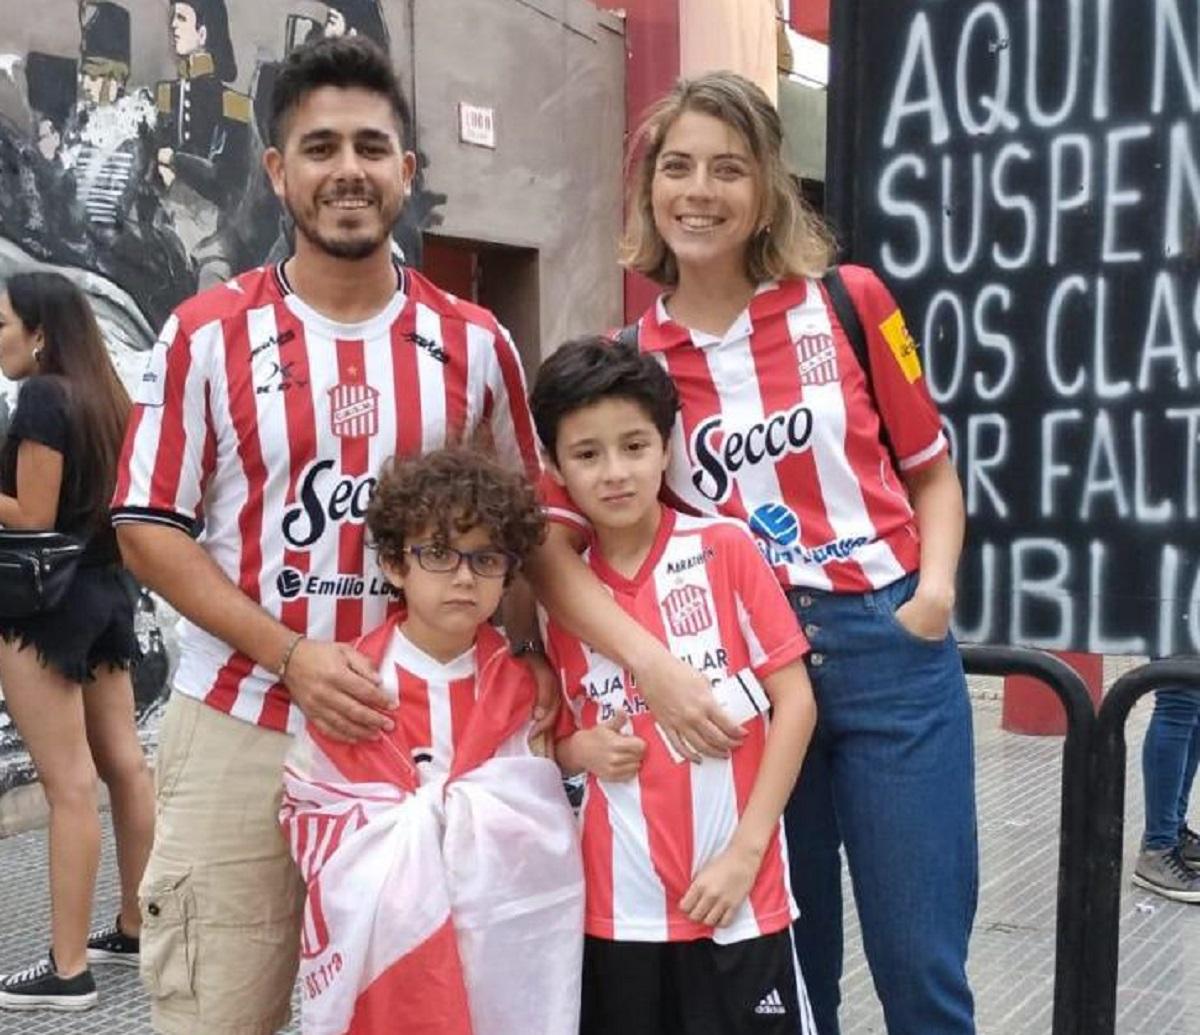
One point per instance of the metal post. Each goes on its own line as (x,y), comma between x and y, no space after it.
(1071,930)
(1105,843)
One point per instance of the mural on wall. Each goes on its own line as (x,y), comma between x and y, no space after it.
(145,192)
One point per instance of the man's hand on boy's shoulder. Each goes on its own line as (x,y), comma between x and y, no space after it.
(338,690)
(608,753)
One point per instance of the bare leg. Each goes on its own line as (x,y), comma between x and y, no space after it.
(48,712)
(112,735)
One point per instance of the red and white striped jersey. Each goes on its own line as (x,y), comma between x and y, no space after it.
(434,702)
(705,592)
(269,421)
(777,427)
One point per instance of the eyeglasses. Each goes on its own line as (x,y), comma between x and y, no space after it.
(489,564)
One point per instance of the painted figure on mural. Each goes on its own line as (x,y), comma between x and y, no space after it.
(104,146)
(203,136)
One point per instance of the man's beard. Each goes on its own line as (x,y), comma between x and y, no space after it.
(352,248)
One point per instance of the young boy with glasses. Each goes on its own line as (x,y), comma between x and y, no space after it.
(442,869)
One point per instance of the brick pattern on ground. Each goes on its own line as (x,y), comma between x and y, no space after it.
(1012,951)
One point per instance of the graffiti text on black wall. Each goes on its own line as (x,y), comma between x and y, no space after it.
(1028,180)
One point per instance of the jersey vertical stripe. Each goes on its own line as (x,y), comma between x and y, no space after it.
(270,421)
(434,702)
(706,593)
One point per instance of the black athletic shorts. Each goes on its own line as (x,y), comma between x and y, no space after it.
(751,987)
(92,626)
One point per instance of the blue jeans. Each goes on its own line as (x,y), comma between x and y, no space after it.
(1169,756)
(891,775)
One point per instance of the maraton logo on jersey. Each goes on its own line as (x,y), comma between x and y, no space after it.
(817,355)
(687,610)
(323,497)
(354,410)
(719,455)
(291,583)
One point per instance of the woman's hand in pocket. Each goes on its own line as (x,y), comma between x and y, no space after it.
(927,614)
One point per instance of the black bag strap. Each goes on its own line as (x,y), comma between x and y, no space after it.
(847,314)
(627,335)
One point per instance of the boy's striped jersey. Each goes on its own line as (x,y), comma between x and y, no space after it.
(705,592)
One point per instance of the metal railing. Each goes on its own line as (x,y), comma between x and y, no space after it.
(1092,823)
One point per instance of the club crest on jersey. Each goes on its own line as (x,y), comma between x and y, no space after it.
(353,410)
(817,356)
(717,454)
(687,610)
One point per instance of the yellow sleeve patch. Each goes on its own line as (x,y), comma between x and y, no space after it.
(895,333)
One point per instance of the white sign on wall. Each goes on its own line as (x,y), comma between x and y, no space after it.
(476,125)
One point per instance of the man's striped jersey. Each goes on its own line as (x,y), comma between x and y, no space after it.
(705,592)
(779,429)
(269,422)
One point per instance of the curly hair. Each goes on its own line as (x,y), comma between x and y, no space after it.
(450,491)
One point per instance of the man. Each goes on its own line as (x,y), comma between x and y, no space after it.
(266,409)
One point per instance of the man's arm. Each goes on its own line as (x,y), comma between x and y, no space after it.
(723,884)
(334,685)
(680,698)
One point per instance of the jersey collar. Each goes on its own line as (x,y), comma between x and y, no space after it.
(609,575)
(657,332)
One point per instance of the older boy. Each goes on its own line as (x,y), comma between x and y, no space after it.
(688,907)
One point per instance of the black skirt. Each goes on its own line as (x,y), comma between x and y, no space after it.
(92,626)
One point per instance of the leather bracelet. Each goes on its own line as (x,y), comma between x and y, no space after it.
(287,655)
(523,647)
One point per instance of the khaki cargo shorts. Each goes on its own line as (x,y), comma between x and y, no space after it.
(221,899)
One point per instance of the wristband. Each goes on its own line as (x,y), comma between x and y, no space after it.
(287,655)
(519,650)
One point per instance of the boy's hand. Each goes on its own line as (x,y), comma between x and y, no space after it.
(609,753)
(721,886)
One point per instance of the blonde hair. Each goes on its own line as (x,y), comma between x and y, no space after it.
(794,241)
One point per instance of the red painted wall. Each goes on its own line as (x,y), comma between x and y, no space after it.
(811,18)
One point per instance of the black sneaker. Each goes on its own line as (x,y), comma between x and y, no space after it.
(1189,847)
(112,945)
(40,988)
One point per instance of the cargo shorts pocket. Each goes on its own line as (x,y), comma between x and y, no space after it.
(168,946)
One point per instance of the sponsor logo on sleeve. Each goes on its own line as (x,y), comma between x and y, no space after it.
(895,333)
(152,387)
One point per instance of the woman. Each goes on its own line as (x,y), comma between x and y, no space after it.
(779,428)
(65,673)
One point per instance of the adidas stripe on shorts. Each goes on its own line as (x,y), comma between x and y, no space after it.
(751,987)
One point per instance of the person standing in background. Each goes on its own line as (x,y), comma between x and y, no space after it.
(65,672)
(1169,862)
